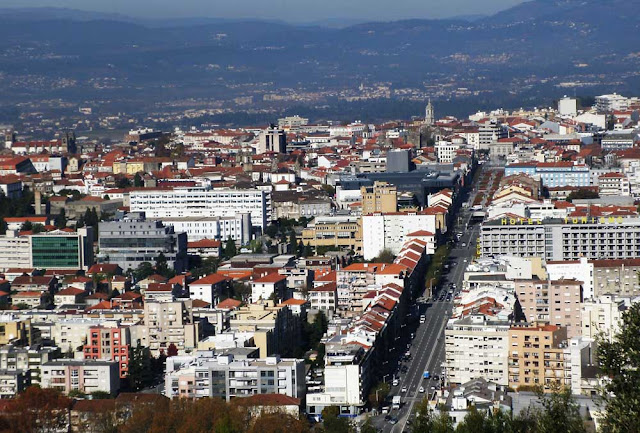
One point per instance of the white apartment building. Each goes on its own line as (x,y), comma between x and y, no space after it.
(446,151)
(614,184)
(567,106)
(15,251)
(166,323)
(581,270)
(72,332)
(86,376)
(603,315)
(389,231)
(237,227)
(477,347)
(224,376)
(202,203)
(612,102)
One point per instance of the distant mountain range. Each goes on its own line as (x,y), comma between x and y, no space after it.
(535,50)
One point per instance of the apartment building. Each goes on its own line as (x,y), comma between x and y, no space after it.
(324,298)
(12,383)
(27,360)
(614,184)
(477,347)
(274,327)
(86,376)
(537,356)
(558,302)
(336,232)
(224,376)
(354,281)
(390,231)
(202,202)
(553,174)
(110,344)
(562,239)
(133,240)
(618,277)
(166,323)
(603,315)
(381,197)
(16,330)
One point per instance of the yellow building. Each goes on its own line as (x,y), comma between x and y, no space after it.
(334,231)
(381,197)
(537,357)
(16,331)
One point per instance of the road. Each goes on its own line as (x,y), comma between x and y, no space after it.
(427,347)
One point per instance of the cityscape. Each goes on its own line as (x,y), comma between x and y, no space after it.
(465,267)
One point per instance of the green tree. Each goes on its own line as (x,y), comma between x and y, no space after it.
(619,360)
(300,249)
(162,267)
(137,181)
(378,394)
(3,226)
(333,423)
(140,371)
(308,251)
(27,226)
(100,395)
(123,182)
(559,412)
(37,228)
(230,249)
(61,219)
(385,256)
(293,242)
(368,427)
(143,270)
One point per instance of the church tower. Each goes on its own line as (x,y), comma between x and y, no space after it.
(429,116)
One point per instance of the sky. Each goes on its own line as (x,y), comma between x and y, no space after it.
(287,10)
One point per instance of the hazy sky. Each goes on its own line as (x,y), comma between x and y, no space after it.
(289,10)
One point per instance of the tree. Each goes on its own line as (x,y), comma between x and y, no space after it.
(172,350)
(368,427)
(385,256)
(278,423)
(140,374)
(61,219)
(378,394)
(100,395)
(162,268)
(37,228)
(27,226)
(619,360)
(230,249)
(36,410)
(333,423)
(293,242)
(582,193)
(143,270)
(137,181)
(300,249)
(123,182)
(271,230)
(559,413)
(308,251)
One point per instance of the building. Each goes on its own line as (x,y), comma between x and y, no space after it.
(557,302)
(110,344)
(381,197)
(553,174)
(614,184)
(27,359)
(429,115)
(237,227)
(324,298)
(133,240)
(290,122)
(398,161)
(209,288)
(166,323)
(562,239)
(14,330)
(85,376)
(389,231)
(567,106)
(272,140)
(12,382)
(477,347)
(603,315)
(537,357)
(333,232)
(270,286)
(610,103)
(617,277)
(356,280)
(202,202)
(224,376)
(618,140)
(57,249)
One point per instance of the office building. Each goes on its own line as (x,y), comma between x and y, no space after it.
(333,232)
(477,347)
(201,202)
(133,240)
(272,140)
(85,376)
(237,227)
(398,161)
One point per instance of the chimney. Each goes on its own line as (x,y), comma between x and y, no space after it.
(37,202)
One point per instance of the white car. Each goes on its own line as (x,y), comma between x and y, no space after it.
(404,389)
(395,382)
(421,389)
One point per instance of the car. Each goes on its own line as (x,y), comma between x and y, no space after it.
(413,335)
(404,389)
(395,382)
(421,390)
(465,260)
(433,388)
(393,421)
(464,244)
(387,417)
(423,318)
(436,377)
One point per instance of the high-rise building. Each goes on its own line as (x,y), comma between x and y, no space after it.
(381,197)
(567,106)
(272,140)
